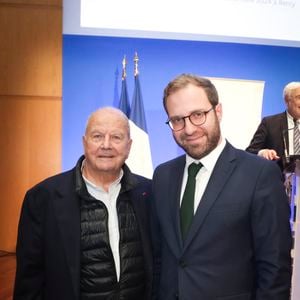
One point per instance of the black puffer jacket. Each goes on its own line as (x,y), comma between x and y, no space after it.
(98,275)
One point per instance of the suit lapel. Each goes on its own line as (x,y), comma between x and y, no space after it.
(171,182)
(222,171)
(175,192)
(67,210)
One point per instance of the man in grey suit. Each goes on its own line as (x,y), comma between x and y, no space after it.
(237,245)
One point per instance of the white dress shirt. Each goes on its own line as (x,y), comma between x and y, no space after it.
(204,173)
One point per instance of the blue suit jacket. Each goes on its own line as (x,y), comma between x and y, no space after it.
(239,243)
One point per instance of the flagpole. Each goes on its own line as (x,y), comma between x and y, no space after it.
(136,61)
(124,102)
(124,63)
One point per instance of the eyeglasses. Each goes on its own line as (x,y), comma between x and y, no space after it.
(197,118)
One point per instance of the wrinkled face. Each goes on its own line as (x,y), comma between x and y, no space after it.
(293,103)
(197,141)
(106,143)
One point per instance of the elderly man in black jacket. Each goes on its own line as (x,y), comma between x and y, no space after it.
(84,234)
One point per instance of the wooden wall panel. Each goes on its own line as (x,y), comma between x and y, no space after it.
(33,2)
(30,103)
(31,54)
(30,152)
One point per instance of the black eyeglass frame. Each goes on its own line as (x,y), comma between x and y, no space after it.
(168,122)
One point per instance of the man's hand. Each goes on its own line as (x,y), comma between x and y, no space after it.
(269,154)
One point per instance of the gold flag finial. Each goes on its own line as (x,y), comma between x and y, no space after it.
(136,60)
(124,63)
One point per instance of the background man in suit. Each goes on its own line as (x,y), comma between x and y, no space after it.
(272,139)
(83,234)
(238,243)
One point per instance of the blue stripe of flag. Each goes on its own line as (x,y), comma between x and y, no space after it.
(124,102)
(137,112)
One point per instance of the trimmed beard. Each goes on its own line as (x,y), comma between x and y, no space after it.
(213,138)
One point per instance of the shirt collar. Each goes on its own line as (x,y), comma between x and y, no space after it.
(114,183)
(210,159)
(290,119)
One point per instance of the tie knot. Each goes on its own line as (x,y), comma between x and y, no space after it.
(193,169)
(296,122)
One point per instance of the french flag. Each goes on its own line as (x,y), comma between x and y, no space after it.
(139,160)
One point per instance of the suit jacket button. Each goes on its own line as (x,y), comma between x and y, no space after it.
(182,263)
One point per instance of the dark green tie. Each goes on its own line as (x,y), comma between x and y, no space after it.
(187,203)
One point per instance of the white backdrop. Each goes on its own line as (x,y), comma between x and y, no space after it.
(242,104)
(274,22)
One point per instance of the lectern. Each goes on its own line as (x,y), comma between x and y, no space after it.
(292,183)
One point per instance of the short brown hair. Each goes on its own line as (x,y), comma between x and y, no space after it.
(183,80)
